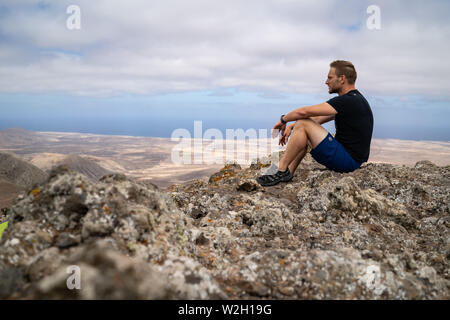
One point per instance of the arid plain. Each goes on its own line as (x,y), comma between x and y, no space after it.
(151,159)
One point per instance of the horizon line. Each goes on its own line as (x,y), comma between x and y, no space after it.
(169,138)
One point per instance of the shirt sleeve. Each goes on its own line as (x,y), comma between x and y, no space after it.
(338,103)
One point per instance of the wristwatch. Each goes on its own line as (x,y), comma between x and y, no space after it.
(281,119)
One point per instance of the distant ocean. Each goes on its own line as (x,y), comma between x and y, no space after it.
(163,127)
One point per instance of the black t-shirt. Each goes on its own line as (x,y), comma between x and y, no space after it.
(354,124)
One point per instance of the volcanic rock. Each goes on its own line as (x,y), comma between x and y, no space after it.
(380,232)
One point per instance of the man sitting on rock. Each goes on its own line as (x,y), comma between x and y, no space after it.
(354,124)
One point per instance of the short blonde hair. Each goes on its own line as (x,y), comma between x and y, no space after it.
(345,68)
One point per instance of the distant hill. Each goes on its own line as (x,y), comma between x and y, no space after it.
(18,175)
(19,172)
(8,192)
(84,166)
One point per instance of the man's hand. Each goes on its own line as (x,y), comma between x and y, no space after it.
(280,126)
(285,134)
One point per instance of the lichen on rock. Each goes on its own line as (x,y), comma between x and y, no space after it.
(380,232)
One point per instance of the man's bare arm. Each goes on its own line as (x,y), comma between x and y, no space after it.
(322,109)
(322,119)
(287,132)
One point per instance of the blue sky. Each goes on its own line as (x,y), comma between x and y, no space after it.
(148,67)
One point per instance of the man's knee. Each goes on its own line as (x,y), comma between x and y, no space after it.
(315,132)
(303,123)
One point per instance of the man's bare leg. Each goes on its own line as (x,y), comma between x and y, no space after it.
(304,131)
(295,163)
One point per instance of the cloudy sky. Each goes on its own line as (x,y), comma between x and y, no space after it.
(241,62)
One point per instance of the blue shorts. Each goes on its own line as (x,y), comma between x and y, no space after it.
(333,155)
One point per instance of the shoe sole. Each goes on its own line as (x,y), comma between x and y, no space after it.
(269,184)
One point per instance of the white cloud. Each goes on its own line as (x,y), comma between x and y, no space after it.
(161,46)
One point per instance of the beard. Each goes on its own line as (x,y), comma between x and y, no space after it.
(332,90)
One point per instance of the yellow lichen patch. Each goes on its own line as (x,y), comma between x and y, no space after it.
(35,192)
(227,167)
(107,209)
(3,226)
(224,173)
(131,246)
(238,203)
(181,236)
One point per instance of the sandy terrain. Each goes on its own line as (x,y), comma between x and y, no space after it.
(45,160)
(152,159)
(408,152)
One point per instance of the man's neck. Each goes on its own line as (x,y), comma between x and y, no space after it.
(346,89)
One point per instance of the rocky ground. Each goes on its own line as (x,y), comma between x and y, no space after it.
(381,232)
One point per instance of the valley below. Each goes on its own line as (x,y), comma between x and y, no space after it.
(150,159)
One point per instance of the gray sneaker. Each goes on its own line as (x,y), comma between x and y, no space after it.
(273,179)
